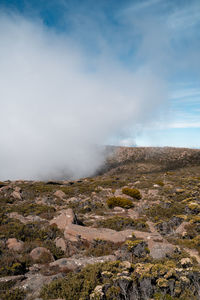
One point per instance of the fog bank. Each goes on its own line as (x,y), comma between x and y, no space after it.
(59,105)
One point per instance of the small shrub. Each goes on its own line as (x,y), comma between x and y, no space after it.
(160,183)
(100,248)
(44,211)
(55,251)
(11,265)
(11,228)
(159,212)
(79,285)
(13,294)
(134,193)
(120,223)
(118,201)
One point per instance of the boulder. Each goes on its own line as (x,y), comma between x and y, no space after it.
(60,243)
(157,246)
(16,195)
(25,220)
(65,218)
(34,283)
(41,252)
(89,233)
(74,264)
(160,249)
(14,245)
(60,194)
(17,189)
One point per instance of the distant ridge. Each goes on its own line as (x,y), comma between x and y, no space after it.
(162,158)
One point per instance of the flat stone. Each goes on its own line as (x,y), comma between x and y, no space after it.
(73,264)
(13,279)
(89,233)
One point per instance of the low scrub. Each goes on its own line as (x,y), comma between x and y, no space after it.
(119,201)
(134,193)
(44,211)
(160,212)
(100,248)
(120,223)
(162,277)
(13,294)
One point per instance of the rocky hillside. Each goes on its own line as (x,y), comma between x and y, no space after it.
(130,233)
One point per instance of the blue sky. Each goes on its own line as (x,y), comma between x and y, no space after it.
(163,35)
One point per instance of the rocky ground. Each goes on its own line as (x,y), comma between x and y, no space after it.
(131,232)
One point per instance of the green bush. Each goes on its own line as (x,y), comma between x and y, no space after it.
(55,251)
(134,193)
(11,265)
(80,285)
(100,248)
(119,201)
(158,212)
(14,294)
(120,223)
(44,211)
(11,228)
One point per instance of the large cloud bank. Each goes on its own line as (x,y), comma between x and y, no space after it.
(58,105)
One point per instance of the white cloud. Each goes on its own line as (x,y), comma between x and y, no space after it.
(54,112)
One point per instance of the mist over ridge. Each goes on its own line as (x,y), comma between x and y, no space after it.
(54,112)
(62,99)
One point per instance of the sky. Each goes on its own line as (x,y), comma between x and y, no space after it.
(77,74)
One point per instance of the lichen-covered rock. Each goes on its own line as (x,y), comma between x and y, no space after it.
(167,227)
(74,264)
(138,248)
